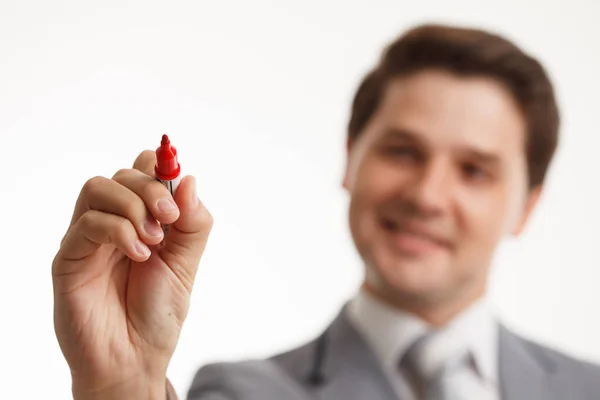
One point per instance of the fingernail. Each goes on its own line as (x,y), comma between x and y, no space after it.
(141,248)
(152,228)
(166,206)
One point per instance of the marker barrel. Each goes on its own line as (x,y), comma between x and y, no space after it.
(172,184)
(167,169)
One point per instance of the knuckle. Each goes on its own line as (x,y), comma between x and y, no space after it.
(145,154)
(93,185)
(143,158)
(151,189)
(120,173)
(87,219)
(133,210)
(121,229)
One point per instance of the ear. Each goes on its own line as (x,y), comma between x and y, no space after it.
(347,168)
(533,198)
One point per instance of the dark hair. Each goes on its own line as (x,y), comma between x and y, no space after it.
(469,52)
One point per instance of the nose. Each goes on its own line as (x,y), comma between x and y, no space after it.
(431,189)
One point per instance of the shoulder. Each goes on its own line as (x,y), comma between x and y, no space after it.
(562,361)
(572,371)
(232,379)
(275,377)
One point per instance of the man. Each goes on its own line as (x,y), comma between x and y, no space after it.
(448,146)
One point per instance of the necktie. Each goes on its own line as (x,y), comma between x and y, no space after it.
(428,363)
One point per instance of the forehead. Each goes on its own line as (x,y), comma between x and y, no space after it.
(447,110)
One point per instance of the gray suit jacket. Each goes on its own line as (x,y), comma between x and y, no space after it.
(339,365)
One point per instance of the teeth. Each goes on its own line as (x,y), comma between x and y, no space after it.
(391,225)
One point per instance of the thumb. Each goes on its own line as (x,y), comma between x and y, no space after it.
(187,237)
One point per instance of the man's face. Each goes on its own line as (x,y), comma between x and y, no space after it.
(436,178)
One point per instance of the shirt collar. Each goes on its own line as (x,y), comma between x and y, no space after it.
(389,331)
(480,330)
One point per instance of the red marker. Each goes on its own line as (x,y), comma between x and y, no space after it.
(167,168)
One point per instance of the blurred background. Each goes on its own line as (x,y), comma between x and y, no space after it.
(255,96)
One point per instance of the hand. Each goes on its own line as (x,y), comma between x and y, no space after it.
(122,289)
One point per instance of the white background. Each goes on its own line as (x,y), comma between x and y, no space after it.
(255,96)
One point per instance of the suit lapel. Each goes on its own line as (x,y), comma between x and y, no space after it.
(522,375)
(350,368)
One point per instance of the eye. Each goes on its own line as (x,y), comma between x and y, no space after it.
(475,172)
(402,151)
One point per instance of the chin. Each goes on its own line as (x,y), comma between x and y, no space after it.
(411,277)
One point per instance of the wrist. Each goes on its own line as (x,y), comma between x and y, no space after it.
(134,388)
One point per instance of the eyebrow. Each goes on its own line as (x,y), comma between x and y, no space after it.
(482,156)
(405,134)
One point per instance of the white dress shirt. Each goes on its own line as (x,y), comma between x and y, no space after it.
(390,332)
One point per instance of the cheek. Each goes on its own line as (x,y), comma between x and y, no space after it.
(376,180)
(363,202)
(483,215)
(372,186)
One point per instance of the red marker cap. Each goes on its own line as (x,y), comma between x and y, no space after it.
(167,168)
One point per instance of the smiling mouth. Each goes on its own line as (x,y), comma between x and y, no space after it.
(413,241)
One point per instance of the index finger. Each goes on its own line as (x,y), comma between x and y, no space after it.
(145,162)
